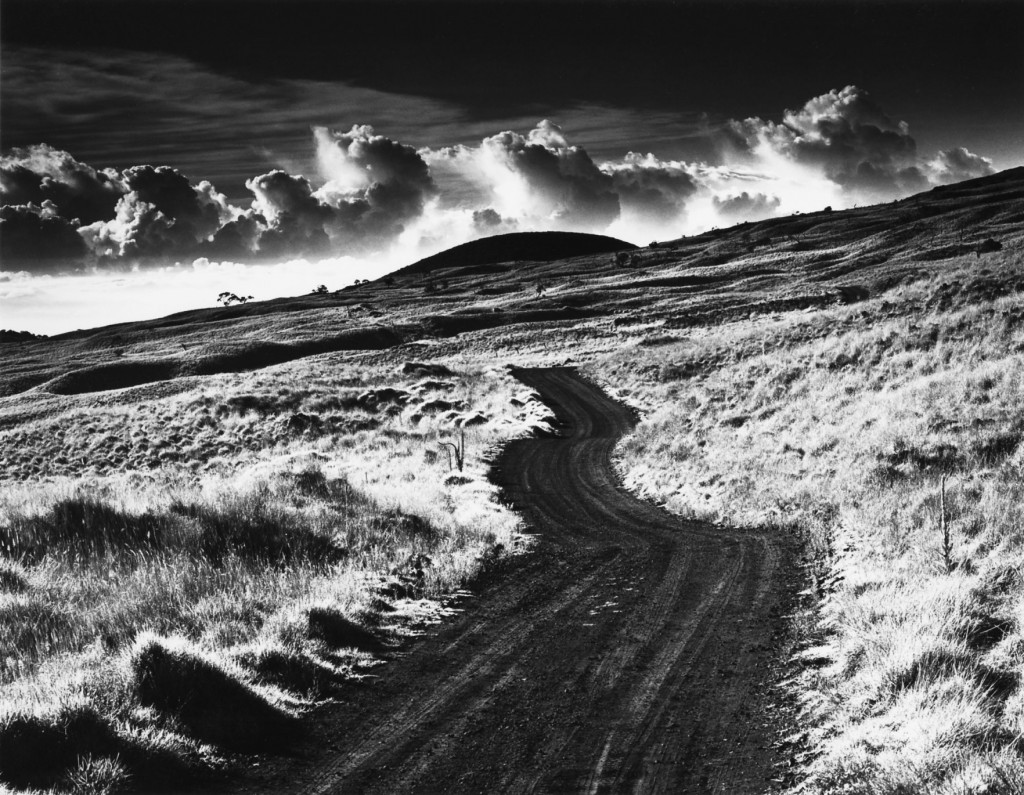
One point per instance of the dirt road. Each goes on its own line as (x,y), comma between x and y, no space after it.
(632,652)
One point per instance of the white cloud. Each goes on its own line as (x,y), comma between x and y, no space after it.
(370,198)
(958,164)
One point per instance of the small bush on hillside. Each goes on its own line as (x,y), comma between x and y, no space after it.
(426,369)
(988,246)
(258,404)
(312,482)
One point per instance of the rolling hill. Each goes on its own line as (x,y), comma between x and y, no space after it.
(519,246)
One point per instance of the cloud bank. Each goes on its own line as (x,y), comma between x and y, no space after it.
(372,196)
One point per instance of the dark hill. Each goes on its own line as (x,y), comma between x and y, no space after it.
(529,246)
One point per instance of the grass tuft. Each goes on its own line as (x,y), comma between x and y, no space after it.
(101,775)
(13,578)
(291,671)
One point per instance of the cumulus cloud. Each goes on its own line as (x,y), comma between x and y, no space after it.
(37,234)
(487,220)
(40,173)
(236,239)
(138,214)
(956,165)
(370,195)
(651,187)
(845,134)
(537,178)
(374,185)
(747,206)
(373,188)
(294,218)
(201,208)
(160,216)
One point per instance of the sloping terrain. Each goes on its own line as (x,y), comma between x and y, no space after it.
(784,264)
(847,380)
(630,652)
(518,246)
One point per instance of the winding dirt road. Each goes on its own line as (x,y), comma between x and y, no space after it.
(631,652)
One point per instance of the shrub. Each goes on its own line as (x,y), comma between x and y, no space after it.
(97,775)
(311,482)
(988,246)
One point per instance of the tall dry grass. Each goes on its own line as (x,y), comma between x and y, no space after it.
(258,559)
(869,429)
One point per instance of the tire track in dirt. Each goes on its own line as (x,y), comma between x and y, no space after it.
(632,651)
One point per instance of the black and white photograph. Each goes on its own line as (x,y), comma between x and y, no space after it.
(512,396)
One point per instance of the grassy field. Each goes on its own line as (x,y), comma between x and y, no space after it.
(238,511)
(888,435)
(185,573)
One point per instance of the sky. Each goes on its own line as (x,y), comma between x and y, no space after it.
(154,154)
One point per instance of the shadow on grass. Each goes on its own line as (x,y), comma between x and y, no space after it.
(120,375)
(213,704)
(37,750)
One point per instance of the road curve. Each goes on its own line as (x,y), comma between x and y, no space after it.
(630,652)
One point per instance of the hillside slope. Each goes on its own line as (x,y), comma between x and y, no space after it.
(850,378)
(519,246)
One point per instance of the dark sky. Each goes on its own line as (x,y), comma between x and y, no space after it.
(730,57)
(954,70)
(344,139)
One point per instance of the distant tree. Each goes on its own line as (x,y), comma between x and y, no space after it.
(320,290)
(227,299)
(389,281)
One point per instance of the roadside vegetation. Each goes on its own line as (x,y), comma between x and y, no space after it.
(888,435)
(183,575)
